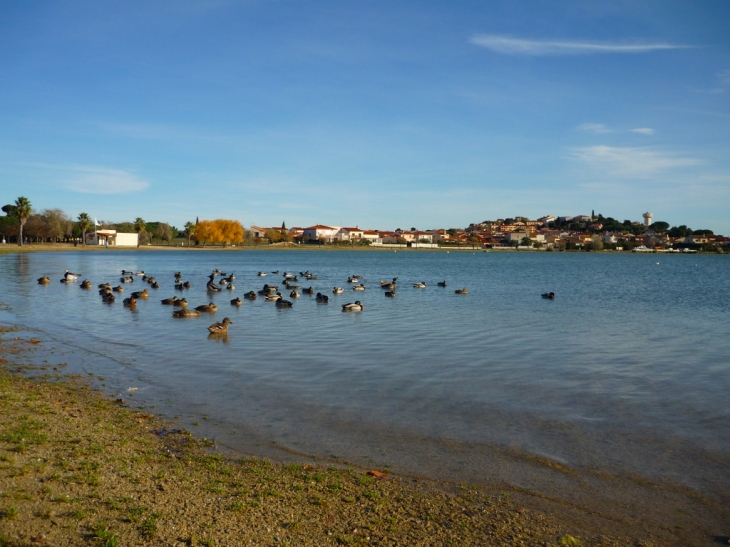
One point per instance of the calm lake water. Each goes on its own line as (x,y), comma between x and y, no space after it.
(626,371)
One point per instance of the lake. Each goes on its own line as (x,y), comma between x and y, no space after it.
(625,374)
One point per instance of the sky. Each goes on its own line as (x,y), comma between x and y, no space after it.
(375,114)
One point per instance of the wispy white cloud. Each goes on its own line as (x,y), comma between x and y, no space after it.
(99,180)
(601,129)
(630,162)
(90,179)
(519,46)
(594,128)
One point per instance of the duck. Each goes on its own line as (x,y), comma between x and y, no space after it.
(322,297)
(281,303)
(45,280)
(421,285)
(223,282)
(230,287)
(294,294)
(185,313)
(151,280)
(310,290)
(155,285)
(141,294)
(210,308)
(390,294)
(359,287)
(273,297)
(169,301)
(230,278)
(104,291)
(140,273)
(67,281)
(71,276)
(177,274)
(250,295)
(182,303)
(338,290)
(236,302)
(131,301)
(462,291)
(182,286)
(129,279)
(220,328)
(548,295)
(275,272)
(353,306)
(109,298)
(268,289)
(127,272)
(118,288)
(215,272)
(389,284)
(261,274)
(211,286)
(104,286)
(85,284)
(441,283)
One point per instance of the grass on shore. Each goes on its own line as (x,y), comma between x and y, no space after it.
(77,468)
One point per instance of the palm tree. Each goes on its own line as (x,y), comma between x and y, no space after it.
(84,225)
(139,226)
(189,230)
(23,210)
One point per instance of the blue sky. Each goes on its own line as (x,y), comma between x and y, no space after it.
(376,114)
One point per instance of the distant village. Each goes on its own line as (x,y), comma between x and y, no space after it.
(594,232)
(583,232)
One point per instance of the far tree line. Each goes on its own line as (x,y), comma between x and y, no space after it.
(21,224)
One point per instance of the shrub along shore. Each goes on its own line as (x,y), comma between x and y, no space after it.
(78,468)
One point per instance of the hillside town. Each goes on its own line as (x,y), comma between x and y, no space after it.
(594,232)
(583,232)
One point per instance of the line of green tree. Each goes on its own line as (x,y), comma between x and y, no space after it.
(21,224)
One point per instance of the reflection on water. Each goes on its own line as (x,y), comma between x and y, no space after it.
(626,370)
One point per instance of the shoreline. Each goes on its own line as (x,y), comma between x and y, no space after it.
(64,247)
(76,465)
(385,510)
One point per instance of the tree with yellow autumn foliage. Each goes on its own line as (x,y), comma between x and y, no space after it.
(219,231)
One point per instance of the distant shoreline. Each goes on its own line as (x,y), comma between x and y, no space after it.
(61,247)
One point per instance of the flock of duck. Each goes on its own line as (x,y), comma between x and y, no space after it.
(271,293)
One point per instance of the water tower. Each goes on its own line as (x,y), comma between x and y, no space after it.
(647,218)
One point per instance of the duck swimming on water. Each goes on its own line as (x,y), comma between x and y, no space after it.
(211,285)
(353,306)
(185,313)
(548,295)
(220,328)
